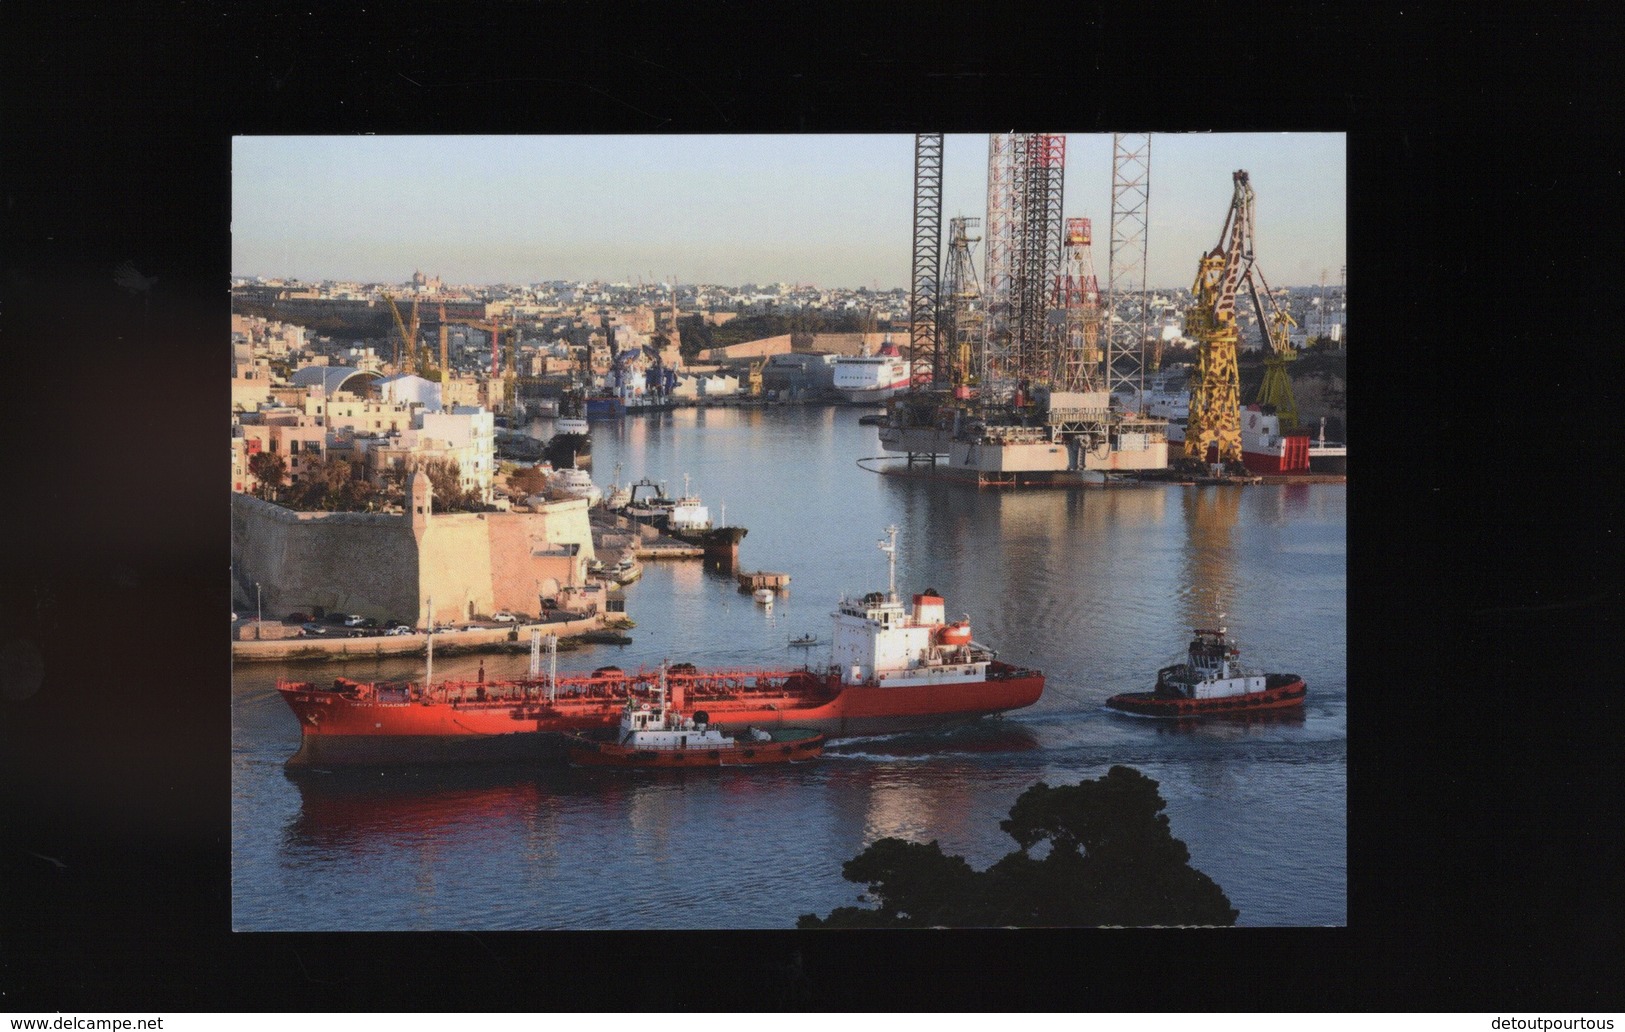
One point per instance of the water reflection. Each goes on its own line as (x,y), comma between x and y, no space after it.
(912,785)
(1208,587)
(358,810)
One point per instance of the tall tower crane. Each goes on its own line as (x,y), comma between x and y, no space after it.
(408,335)
(1215,412)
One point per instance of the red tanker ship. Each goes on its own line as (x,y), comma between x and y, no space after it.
(892,670)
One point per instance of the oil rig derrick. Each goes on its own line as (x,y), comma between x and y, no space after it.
(1076,349)
(1125,277)
(1019,391)
(925,352)
(961,329)
(1039,255)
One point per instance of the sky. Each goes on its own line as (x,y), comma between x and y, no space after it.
(833,211)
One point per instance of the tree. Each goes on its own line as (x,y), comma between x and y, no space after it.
(1111,859)
(392,487)
(528,480)
(270,469)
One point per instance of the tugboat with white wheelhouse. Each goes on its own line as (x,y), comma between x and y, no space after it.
(659,735)
(1212,681)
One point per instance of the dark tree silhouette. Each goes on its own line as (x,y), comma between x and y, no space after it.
(1111,859)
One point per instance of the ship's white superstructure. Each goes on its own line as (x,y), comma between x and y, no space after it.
(878,641)
(864,378)
(1212,671)
(574,483)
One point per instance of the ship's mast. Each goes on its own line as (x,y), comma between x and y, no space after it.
(428,672)
(889,546)
(552,668)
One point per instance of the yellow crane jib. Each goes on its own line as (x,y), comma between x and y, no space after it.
(407,336)
(1215,410)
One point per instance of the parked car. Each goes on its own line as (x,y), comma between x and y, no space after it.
(298,618)
(314,629)
(390,625)
(502,617)
(352,620)
(398,629)
(334,618)
(369,623)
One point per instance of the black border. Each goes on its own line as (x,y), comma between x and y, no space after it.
(1485,851)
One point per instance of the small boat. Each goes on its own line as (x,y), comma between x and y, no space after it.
(1212,682)
(626,571)
(659,735)
(763,595)
(804,641)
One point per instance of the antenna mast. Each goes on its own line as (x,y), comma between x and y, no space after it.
(889,546)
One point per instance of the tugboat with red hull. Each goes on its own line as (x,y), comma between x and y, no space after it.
(892,669)
(1212,682)
(659,735)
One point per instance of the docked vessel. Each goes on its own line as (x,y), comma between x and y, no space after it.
(891,669)
(1265,449)
(659,735)
(865,379)
(605,406)
(571,444)
(685,518)
(574,483)
(1327,456)
(1212,681)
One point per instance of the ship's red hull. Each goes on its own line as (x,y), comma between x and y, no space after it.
(356,724)
(1284,693)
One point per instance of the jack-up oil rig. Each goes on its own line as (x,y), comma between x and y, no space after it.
(1014,376)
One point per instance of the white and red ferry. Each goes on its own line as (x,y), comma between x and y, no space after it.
(864,379)
(892,669)
(1212,681)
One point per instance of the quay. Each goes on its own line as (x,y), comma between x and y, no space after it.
(763,579)
(446,643)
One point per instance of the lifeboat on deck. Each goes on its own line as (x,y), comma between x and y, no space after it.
(954,634)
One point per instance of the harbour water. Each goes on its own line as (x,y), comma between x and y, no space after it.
(1097,588)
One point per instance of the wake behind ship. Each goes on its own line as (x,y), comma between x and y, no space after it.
(892,669)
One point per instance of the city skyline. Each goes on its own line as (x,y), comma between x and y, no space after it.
(833,211)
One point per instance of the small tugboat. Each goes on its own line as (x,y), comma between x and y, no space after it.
(1212,681)
(659,735)
(763,595)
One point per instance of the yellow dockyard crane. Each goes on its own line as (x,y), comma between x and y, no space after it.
(1215,410)
(409,336)
(1276,389)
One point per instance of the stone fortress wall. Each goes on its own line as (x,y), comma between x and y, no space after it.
(389,566)
(338,562)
